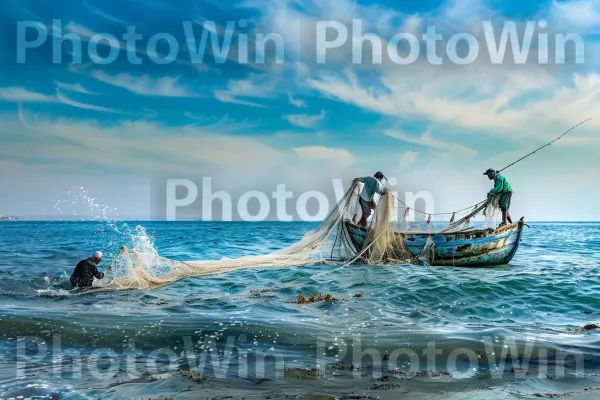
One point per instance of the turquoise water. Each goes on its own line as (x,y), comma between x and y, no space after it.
(505,332)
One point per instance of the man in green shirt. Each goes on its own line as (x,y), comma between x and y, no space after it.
(503,189)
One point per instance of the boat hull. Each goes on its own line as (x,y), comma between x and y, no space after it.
(465,249)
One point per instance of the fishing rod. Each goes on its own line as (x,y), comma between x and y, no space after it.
(546,145)
(510,165)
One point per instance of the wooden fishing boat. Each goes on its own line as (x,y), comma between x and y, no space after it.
(467,248)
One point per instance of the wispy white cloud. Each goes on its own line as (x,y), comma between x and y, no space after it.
(103,14)
(152,4)
(145,85)
(475,99)
(222,124)
(238,91)
(490,102)
(73,87)
(407,159)
(23,95)
(305,120)
(341,157)
(140,144)
(427,140)
(30,14)
(65,100)
(576,15)
(227,97)
(296,102)
(86,34)
(80,30)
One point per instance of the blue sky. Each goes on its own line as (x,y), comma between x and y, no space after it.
(115,130)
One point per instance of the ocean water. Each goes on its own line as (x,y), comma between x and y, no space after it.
(395,331)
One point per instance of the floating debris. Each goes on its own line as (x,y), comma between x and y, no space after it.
(304,373)
(194,376)
(161,302)
(345,367)
(359,294)
(517,370)
(586,328)
(315,298)
(566,394)
(420,374)
(261,293)
(159,377)
(382,386)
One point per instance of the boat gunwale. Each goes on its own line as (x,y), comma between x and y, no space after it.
(487,231)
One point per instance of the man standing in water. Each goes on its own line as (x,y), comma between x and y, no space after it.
(504,190)
(87,270)
(371,186)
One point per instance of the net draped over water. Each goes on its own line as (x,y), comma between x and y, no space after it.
(330,243)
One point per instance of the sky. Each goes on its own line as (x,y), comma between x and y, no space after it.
(95,127)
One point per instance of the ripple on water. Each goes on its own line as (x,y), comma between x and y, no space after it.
(550,287)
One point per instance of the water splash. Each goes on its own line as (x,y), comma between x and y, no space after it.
(79,205)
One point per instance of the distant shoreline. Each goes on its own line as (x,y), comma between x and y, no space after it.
(10,218)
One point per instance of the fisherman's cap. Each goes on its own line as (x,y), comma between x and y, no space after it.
(492,170)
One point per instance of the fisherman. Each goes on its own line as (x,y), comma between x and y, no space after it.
(87,270)
(503,189)
(371,186)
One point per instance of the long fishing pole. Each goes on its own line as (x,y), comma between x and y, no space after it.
(546,145)
(510,165)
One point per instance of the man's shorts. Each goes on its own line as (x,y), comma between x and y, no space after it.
(365,207)
(504,201)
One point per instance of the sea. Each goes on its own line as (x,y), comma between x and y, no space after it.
(522,330)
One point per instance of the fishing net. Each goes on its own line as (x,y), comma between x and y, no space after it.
(332,242)
(384,243)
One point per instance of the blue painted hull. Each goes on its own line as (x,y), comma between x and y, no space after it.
(465,249)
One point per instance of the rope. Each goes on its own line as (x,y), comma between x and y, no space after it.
(448,213)
(123,248)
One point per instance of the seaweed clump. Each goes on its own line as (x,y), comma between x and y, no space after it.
(345,367)
(316,298)
(586,328)
(192,375)
(304,373)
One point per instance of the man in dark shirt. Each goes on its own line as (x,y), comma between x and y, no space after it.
(87,270)
(371,186)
